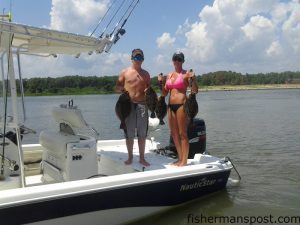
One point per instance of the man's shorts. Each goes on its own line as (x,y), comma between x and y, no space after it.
(137,120)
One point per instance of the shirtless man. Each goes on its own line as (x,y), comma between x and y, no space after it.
(135,81)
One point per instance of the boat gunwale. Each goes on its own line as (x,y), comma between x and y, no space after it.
(42,192)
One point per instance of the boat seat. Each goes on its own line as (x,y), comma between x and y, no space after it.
(57,141)
(70,116)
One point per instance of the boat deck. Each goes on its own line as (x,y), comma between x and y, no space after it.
(117,155)
(112,155)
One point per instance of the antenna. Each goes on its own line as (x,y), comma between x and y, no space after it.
(6,17)
(10,10)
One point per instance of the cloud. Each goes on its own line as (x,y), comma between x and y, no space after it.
(165,41)
(94,65)
(182,29)
(244,35)
(291,27)
(76,15)
(257,27)
(274,50)
(247,36)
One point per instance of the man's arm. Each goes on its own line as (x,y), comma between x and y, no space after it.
(120,82)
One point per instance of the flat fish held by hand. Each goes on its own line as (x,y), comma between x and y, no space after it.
(151,100)
(191,107)
(161,109)
(123,108)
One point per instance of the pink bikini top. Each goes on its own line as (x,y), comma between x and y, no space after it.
(177,84)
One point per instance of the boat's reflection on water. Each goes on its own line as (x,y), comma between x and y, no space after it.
(199,211)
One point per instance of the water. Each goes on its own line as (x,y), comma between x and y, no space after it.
(259,130)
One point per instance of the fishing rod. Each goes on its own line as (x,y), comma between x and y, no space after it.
(114,37)
(102,18)
(129,14)
(112,18)
(122,31)
(124,16)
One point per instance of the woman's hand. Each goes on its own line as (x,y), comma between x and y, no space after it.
(192,81)
(161,83)
(161,77)
(191,75)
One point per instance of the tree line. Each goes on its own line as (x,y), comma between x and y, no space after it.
(105,85)
(233,78)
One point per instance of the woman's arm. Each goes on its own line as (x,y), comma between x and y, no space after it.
(162,84)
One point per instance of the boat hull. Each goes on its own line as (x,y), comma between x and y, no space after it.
(115,205)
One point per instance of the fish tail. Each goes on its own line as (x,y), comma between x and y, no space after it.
(152,115)
(161,122)
(122,125)
(191,121)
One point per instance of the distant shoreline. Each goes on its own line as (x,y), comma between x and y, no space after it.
(201,89)
(248,87)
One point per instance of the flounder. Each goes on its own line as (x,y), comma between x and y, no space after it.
(123,108)
(151,100)
(161,109)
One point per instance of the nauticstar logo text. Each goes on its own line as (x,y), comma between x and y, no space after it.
(198,184)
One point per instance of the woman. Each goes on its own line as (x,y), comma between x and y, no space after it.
(176,84)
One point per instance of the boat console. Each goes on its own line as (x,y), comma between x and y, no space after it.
(67,154)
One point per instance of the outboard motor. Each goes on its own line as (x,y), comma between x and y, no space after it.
(197,138)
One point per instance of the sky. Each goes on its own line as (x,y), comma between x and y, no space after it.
(246,36)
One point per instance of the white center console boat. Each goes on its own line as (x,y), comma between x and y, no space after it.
(72,178)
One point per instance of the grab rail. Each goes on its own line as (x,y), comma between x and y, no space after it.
(228,159)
